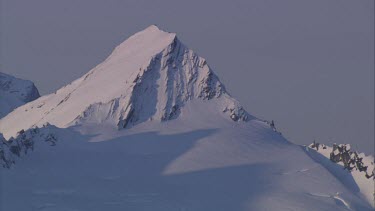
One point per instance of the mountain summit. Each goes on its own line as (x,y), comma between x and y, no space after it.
(150,76)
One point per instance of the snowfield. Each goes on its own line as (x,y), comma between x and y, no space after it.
(153,128)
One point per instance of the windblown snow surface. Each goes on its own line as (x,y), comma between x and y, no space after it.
(15,92)
(153,128)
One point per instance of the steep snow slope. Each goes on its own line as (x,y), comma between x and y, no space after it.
(150,76)
(194,162)
(15,92)
(152,128)
(364,179)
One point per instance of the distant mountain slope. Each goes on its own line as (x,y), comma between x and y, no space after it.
(15,92)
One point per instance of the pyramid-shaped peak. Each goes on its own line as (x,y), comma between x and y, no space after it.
(151,76)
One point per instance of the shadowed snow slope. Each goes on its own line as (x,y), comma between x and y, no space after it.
(15,92)
(152,128)
(183,164)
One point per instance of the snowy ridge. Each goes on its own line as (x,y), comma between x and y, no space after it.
(14,148)
(15,92)
(148,77)
(358,165)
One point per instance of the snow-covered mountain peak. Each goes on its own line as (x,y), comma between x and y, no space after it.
(15,92)
(142,46)
(187,148)
(150,76)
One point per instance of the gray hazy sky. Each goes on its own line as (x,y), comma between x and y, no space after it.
(307,64)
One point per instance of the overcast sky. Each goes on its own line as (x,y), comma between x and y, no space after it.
(307,64)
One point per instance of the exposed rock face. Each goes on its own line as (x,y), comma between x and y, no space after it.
(342,154)
(15,92)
